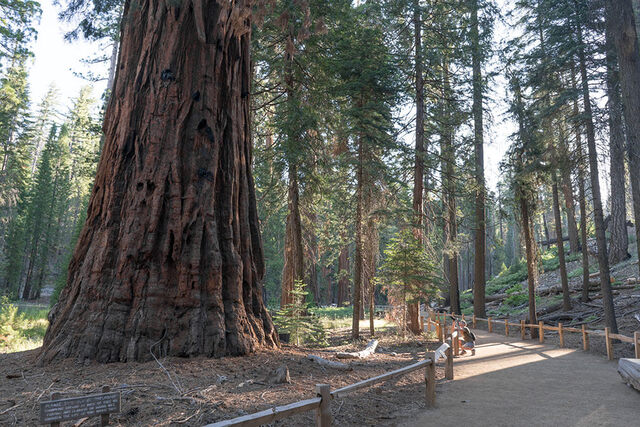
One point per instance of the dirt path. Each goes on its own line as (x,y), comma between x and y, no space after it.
(522,383)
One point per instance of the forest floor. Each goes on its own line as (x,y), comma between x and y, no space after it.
(521,383)
(203,390)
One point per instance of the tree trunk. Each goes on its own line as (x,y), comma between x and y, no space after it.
(326,277)
(418,176)
(532,265)
(357,270)
(170,258)
(480,232)
(622,25)
(619,238)
(603,259)
(293,269)
(343,276)
(449,197)
(569,208)
(566,298)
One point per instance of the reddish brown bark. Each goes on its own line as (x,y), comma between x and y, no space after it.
(170,257)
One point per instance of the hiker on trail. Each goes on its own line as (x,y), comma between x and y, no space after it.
(468,341)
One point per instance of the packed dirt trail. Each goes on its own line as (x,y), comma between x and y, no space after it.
(523,383)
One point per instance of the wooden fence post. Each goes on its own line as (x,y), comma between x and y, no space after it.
(439,331)
(430,381)
(506,327)
(522,331)
(104,418)
(489,322)
(541,328)
(636,341)
(585,338)
(607,331)
(448,366)
(422,323)
(323,413)
(55,396)
(456,345)
(428,324)
(474,321)
(561,334)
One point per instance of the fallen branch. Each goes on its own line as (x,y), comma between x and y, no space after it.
(329,363)
(368,351)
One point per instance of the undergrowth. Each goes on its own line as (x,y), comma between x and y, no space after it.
(21,330)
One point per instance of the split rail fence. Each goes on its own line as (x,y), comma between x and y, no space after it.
(439,323)
(322,402)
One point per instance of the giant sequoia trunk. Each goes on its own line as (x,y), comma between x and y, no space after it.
(170,258)
(480,229)
(619,240)
(621,23)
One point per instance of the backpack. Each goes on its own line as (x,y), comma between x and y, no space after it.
(468,331)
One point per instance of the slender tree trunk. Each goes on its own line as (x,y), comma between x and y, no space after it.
(170,259)
(569,208)
(418,176)
(619,238)
(603,259)
(566,298)
(532,265)
(293,269)
(343,276)
(326,278)
(621,23)
(480,229)
(357,271)
(449,196)
(545,227)
(582,197)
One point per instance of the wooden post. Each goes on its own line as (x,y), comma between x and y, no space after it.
(474,321)
(323,413)
(55,396)
(522,330)
(636,341)
(506,327)
(422,323)
(585,338)
(456,345)
(541,328)
(439,331)
(561,334)
(430,381)
(104,418)
(607,331)
(428,324)
(489,322)
(448,367)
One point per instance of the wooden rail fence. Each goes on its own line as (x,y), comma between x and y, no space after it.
(322,402)
(440,326)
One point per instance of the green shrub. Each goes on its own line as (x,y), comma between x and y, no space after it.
(20,331)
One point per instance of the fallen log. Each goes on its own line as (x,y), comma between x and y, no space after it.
(629,370)
(368,351)
(329,363)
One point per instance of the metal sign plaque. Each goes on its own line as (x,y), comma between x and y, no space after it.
(79,407)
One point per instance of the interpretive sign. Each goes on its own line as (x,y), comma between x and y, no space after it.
(56,410)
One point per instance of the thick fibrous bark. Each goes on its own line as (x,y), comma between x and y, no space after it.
(480,232)
(621,24)
(619,239)
(170,257)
